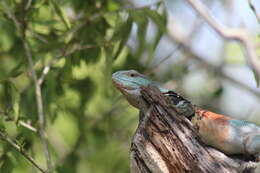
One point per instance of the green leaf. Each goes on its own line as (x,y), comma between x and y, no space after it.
(111,18)
(123,32)
(256,78)
(85,87)
(10,99)
(8,165)
(60,13)
(17,70)
(112,5)
(90,55)
(39,3)
(141,20)
(159,20)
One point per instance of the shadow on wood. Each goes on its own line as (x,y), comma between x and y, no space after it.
(165,142)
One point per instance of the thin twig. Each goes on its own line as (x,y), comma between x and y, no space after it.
(7,139)
(28,5)
(230,34)
(152,69)
(28,126)
(41,115)
(20,122)
(251,5)
(38,94)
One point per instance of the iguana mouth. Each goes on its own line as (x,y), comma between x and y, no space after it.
(121,86)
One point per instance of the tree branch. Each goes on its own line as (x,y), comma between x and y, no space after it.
(251,5)
(7,139)
(38,94)
(230,34)
(181,39)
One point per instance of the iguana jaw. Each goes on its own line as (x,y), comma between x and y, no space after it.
(130,94)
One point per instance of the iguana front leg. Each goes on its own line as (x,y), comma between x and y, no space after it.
(182,106)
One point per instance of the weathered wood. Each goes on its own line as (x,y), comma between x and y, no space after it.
(165,142)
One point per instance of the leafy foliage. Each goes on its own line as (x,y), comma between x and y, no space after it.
(82,42)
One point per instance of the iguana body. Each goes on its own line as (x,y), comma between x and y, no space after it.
(229,135)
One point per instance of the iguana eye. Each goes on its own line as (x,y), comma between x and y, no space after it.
(132,75)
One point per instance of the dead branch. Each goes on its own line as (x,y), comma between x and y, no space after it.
(166,142)
(230,34)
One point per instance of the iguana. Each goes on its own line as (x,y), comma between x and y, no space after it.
(228,135)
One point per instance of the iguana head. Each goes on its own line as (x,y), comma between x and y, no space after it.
(129,83)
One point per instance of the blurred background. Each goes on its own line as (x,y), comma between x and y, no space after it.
(76,45)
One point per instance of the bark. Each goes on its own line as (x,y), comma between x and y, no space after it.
(165,142)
